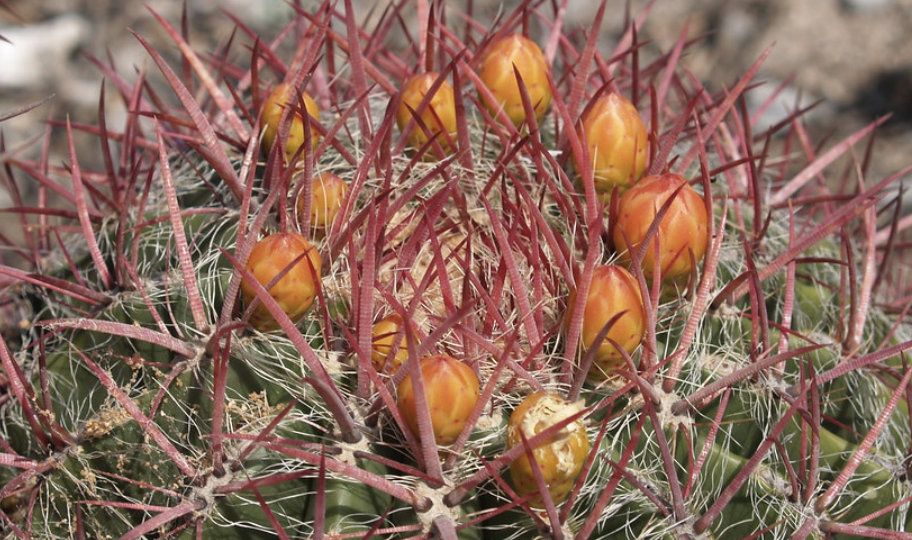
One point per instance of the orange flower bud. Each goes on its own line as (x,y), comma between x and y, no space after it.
(683,232)
(384,334)
(613,291)
(451,389)
(296,290)
(496,70)
(560,457)
(616,138)
(326,195)
(439,116)
(273,108)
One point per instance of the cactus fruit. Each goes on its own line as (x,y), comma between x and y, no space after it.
(388,335)
(327,193)
(559,458)
(616,141)
(614,298)
(682,234)
(451,389)
(496,69)
(297,265)
(767,399)
(435,120)
(281,98)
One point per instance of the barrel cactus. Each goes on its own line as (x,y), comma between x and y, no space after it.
(330,287)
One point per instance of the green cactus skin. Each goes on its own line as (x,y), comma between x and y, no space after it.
(351,507)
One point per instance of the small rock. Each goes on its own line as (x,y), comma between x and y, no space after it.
(866,5)
(37,52)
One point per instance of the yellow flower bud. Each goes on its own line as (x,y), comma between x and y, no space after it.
(451,389)
(439,116)
(384,334)
(683,232)
(560,457)
(613,290)
(496,70)
(617,142)
(273,108)
(327,192)
(296,290)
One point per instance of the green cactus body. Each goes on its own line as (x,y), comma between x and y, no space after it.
(351,507)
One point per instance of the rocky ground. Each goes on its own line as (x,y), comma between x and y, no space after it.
(855,54)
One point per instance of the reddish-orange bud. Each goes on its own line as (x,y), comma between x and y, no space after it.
(616,139)
(451,389)
(496,71)
(613,291)
(682,234)
(274,107)
(383,335)
(560,457)
(438,116)
(296,290)
(327,192)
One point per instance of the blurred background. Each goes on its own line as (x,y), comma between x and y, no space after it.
(854,54)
